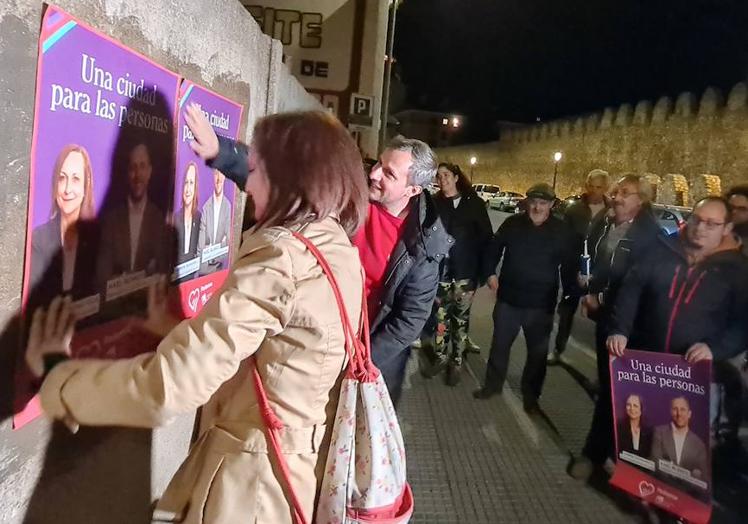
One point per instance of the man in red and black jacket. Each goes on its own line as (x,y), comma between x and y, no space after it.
(689,295)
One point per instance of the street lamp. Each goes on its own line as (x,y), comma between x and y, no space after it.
(473,161)
(557,156)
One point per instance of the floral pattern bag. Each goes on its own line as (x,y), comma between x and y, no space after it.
(365,474)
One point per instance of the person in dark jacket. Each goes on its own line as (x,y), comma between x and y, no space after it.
(737,196)
(615,241)
(594,203)
(634,436)
(465,218)
(401,246)
(689,295)
(534,246)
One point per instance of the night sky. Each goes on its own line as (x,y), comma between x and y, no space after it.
(522,59)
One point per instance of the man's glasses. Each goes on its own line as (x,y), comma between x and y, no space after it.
(709,224)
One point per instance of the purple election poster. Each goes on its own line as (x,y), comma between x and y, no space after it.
(661,424)
(203,202)
(102,177)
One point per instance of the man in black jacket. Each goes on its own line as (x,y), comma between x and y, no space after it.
(401,258)
(534,246)
(401,246)
(615,241)
(594,203)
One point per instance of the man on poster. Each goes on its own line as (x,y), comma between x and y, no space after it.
(677,445)
(215,226)
(133,236)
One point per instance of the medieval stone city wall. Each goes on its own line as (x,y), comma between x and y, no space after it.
(689,146)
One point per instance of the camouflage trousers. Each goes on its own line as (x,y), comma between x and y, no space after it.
(449,322)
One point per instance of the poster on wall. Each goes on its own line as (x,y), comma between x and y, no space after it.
(203,213)
(102,195)
(661,419)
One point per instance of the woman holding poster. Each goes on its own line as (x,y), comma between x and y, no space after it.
(187,219)
(63,249)
(276,305)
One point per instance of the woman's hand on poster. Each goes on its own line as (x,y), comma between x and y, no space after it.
(51,334)
(160,320)
(493,283)
(205,142)
(698,352)
(616,344)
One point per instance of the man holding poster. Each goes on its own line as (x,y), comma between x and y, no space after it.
(688,296)
(694,290)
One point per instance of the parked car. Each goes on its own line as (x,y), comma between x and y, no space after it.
(505,201)
(486,191)
(671,218)
(560,206)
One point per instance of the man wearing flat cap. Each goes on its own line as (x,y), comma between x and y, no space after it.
(534,247)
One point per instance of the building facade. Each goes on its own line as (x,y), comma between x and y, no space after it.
(336,49)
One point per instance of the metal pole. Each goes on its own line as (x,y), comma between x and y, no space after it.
(387,74)
(555,173)
(471,174)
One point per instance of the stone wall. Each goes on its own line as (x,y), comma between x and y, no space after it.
(109,475)
(691,145)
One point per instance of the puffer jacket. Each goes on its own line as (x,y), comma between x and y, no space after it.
(409,289)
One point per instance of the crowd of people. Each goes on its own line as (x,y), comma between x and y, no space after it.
(423,258)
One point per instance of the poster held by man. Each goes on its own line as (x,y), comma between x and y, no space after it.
(661,414)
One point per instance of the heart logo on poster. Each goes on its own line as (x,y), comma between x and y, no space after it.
(646,488)
(193,299)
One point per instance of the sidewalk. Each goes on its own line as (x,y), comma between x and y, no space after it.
(488,462)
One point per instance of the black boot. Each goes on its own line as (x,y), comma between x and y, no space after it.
(485,393)
(433,369)
(453,374)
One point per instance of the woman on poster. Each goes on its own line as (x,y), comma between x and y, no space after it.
(634,436)
(187,219)
(275,305)
(63,249)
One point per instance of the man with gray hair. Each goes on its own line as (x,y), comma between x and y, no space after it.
(578,216)
(616,241)
(400,246)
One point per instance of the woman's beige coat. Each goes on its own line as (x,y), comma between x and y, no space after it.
(277,305)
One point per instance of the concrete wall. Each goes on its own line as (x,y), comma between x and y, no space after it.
(109,475)
(692,145)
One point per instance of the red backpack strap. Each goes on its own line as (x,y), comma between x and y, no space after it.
(360,361)
(274,425)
